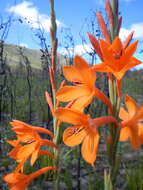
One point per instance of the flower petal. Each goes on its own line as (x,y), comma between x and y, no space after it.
(102,67)
(48,143)
(131,105)
(117,45)
(39,172)
(119,75)
(135,140)
(82,102)
(13,178)
(13,142)
(123,114)
(20,166)
(107,54)
(69,93)
(17,123)
(125,134)
(83,67)
(14,151)
(72,74)
(96,45)
(34,157)
(43,130)
(131,133)
(97,122)
(71,116)
(26,138)
(73,136)
(139,114)
(22,127)
(128,40)
(130,50)
(132,63)
(90,147)
(25,151)
(140,126)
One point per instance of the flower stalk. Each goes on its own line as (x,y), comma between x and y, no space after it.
(53,76)
(115,99)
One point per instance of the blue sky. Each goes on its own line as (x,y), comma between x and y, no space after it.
(72,15)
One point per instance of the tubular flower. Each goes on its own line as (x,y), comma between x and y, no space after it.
(84,89)
(26,128)
(117,59)
(132,129)
(18,181)
(28,143)
(85,131)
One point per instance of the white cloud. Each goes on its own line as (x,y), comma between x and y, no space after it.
(65,51)
(23,45)
(82,49)
(137,28)
(78,49)
(31,15)
(124,33)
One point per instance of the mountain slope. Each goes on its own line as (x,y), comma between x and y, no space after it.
(12,53)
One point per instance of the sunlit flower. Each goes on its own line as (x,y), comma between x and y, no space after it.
(22,127)
(28,143)
(85,131)
(117,59)
(84,88)
(19,181)
(132,128)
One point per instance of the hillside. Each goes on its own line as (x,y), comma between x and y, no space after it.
(12,53)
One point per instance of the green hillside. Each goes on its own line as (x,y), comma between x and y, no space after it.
(12,53)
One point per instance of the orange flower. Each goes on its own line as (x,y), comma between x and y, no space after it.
(85,131)
(18,181)
(84,89)
(26,128)
(117,60)
(28,143)
(132,129)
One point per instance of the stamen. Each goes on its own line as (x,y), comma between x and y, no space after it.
(117,54)
(28,142)
(75,131)
(77,83)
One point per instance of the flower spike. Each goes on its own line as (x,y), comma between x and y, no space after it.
(128,40)
(95,45)
(103,26)
(109,12)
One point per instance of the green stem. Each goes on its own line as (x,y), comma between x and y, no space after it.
(114,132)
(54,42)
(54,118)
(111,94)
(115,100)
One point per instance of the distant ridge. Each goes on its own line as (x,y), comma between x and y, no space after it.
(13,56)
